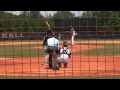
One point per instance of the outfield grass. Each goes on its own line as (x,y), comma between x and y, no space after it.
(20,40)
(61,77)
(18,51)
(107,50)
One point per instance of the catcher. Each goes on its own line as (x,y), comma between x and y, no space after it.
(64,55)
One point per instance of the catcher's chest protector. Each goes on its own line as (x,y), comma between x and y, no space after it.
(65,50)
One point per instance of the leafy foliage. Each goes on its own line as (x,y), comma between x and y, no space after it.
(34,21)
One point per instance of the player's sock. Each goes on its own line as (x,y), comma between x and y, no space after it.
(65,65)
(59,64)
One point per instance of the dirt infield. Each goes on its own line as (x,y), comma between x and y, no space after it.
(78,65)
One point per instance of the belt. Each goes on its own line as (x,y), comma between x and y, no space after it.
(52,46)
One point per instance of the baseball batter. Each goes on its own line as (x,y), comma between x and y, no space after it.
(45,47)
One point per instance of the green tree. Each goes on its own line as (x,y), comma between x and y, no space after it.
(24,14)
(106,20)
(63,14)
(35,14)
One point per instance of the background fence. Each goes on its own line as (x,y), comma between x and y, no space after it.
(95,54)
(64,35)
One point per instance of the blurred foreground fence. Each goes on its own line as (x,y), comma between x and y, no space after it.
(96,53)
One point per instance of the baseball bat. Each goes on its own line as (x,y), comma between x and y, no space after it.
(47,24)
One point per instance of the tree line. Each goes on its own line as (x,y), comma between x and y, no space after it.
(105,20)
(34,21)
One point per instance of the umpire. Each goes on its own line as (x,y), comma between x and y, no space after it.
(53,48)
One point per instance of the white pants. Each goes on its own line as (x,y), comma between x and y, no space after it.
(72,39)
(59,36)
(47,59)
(46,56)
(45,47)
(63,58)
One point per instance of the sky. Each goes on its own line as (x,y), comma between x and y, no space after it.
(77,13)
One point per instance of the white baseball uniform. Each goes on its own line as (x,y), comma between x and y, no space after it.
(45,47)
(73,35)
(64,55)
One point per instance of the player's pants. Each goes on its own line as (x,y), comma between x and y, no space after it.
(59,36)
(47,59)
(45,48)
(46,56)
(63,58)
(72,40)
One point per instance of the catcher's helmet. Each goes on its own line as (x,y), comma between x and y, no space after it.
(65,44)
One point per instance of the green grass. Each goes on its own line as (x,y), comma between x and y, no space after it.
(107,50)
(20,40)
(62,77)
(18,51)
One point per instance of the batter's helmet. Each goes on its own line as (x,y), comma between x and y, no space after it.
(49,31)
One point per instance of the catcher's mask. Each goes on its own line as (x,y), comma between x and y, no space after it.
(65,44)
